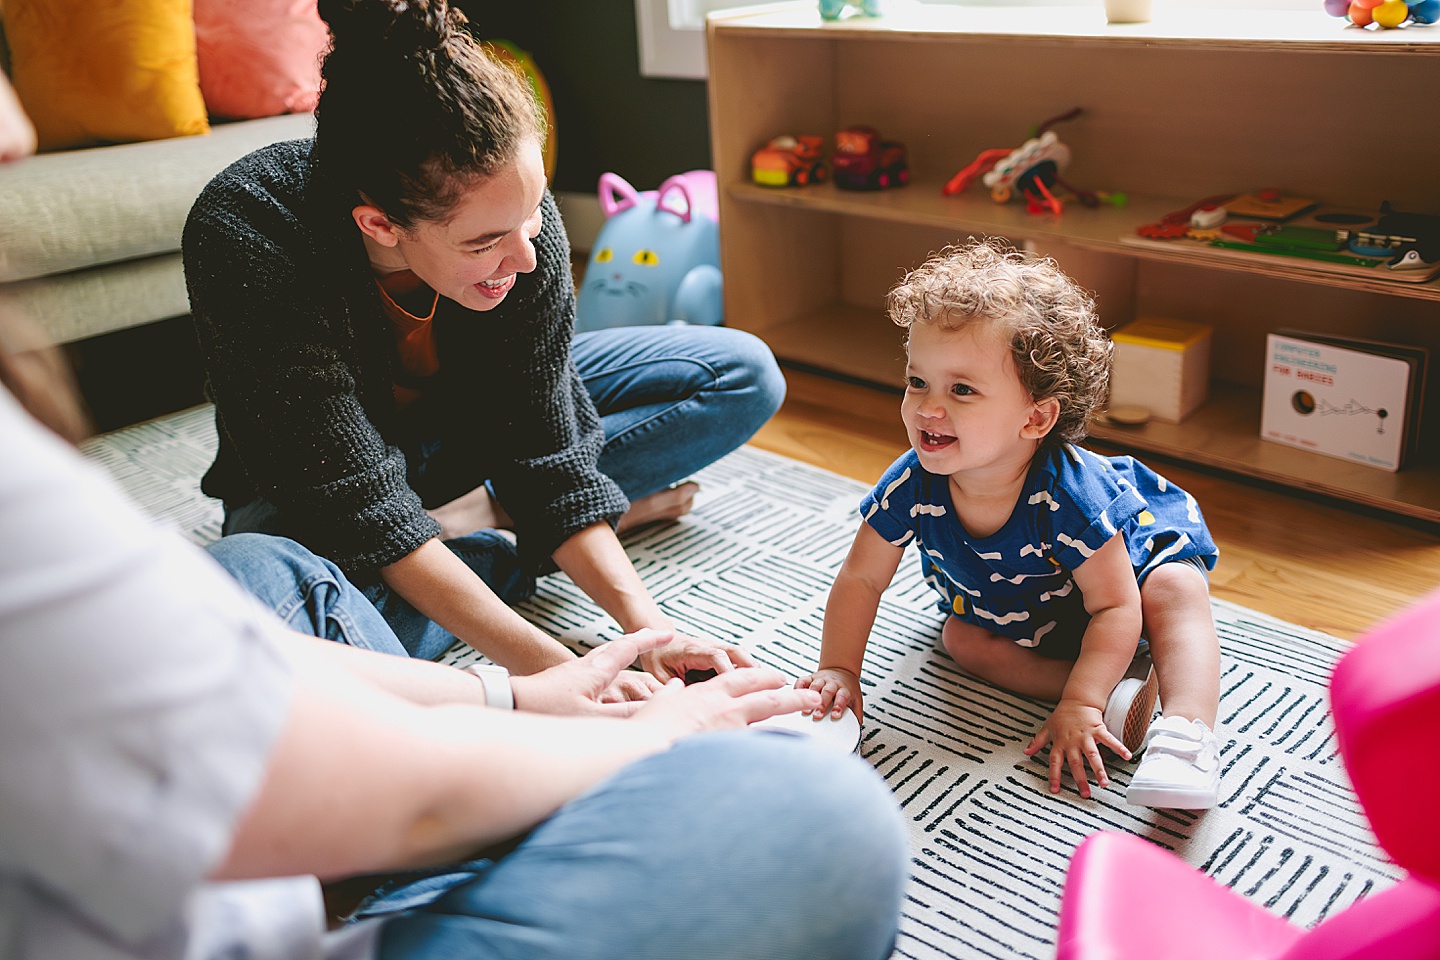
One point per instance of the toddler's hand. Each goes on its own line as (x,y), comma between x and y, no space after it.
(1074,731)
(838,689)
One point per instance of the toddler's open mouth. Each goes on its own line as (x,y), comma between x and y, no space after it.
(934,441)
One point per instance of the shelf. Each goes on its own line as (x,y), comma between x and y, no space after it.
(1105,229)
(1225,433)
(856,343)
(862,345)
(1195,103)
(1291,31)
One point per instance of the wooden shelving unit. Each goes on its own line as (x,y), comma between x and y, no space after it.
(1191,105)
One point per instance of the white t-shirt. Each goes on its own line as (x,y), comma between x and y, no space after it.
(141,692)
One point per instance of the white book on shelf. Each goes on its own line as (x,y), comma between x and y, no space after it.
(1353,404)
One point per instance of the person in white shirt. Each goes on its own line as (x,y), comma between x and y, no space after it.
(179,770)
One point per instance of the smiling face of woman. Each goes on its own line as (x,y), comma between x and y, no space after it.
(473,255)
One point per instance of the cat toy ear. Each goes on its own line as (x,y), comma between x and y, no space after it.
(675,183)
(616,194)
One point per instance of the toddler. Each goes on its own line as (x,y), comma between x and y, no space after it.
(1052,561)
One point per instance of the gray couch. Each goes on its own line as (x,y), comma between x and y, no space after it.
(90,239)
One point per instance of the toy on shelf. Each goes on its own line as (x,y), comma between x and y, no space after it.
(1386,14)
(788,161)
(1270,222)
(832,9)
(657,258)
(1031,170)
(1410,241)
(863,161)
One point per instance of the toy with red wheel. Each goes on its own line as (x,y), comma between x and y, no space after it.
(864,161)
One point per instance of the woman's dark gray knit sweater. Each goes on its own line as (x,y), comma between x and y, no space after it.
(299,359)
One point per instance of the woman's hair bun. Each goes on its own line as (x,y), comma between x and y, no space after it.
(403,24)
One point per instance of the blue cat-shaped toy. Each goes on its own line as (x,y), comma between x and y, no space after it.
(657,259)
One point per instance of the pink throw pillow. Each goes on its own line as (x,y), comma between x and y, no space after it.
(260,58)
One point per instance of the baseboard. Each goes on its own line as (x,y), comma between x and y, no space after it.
(583,218)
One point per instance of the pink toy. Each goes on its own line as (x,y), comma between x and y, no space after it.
(684,195)
(1127,898)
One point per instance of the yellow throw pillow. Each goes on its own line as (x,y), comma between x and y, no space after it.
(117,70)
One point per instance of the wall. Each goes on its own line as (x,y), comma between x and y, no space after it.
(609,118)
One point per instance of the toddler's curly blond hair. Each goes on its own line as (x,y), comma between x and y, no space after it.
(1059,348)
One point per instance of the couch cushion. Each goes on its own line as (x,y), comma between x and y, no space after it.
(259,58)
(121,70)
(87,303)
(66,211)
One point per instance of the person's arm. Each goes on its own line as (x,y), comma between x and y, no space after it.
(849,617)
(595,559)
(439,584)
(1076,727)
(362,781)
(17,133)
(576,687)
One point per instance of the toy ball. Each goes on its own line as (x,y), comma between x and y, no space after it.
(1391,13)
(1360,16)
(657,258)
(1367,4)
(1337,8)
(1425,11)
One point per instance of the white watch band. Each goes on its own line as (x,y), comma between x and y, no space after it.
(496,681)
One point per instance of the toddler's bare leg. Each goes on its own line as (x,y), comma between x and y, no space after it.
(1175,600)
(1003,662)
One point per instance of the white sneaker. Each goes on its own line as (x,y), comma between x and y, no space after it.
(1132,704)
(1180,769)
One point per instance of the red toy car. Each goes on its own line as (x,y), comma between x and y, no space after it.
(865,162)
(788,160)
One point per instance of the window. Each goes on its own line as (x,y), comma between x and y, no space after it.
(672,36)
(672,32)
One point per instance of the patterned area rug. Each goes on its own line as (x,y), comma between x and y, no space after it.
(753,564)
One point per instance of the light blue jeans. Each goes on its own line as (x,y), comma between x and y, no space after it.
(671,400)
(730,845)
(739,845)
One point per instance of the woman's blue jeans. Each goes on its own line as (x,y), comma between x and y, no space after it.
(732,845)
(736,845)
(671,399)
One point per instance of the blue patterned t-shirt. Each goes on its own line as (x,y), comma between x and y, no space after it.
(1017,582)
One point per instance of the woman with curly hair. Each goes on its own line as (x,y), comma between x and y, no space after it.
(386,315)
(1056,565)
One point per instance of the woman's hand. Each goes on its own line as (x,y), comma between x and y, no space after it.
(597,683)
(686,653)
(731,700)
(1074,731)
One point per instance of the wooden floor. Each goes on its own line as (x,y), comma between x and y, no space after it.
(1309,562)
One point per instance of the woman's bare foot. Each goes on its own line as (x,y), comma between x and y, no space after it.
(668,504)
(476,510)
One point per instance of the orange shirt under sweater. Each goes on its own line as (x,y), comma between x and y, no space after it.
(414,334)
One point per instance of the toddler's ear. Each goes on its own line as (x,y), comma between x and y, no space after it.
(1042,419)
